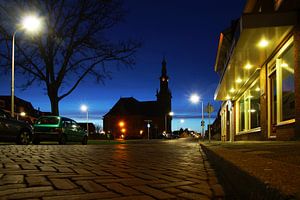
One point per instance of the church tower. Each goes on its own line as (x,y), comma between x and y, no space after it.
(164,97)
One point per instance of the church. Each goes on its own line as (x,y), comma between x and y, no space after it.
(133,119)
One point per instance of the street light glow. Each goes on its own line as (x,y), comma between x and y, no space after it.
(83,108)
(31,23)
(194,98)
(23,114)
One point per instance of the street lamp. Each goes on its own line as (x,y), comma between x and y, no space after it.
(194,98)
(31,24)
(84,108)
(166,121)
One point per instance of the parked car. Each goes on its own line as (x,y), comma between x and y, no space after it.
(12,130)
(60,129)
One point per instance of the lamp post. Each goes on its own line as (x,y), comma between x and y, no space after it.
(194,98)
(84,108)
(31,24)
(166,120)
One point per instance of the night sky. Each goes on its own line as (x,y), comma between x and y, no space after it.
(185,32)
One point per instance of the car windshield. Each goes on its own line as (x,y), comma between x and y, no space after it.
(48,120)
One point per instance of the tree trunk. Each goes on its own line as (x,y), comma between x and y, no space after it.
(53,97)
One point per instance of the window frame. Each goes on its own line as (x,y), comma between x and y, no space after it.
(274,67)
(247,118)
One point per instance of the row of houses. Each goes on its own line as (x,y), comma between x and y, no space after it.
(258,60)
(23,109)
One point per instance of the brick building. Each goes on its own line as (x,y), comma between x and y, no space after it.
(130,118)
(259,67)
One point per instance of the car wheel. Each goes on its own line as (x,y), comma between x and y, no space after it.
(23,138)
(84,140)
(63,139)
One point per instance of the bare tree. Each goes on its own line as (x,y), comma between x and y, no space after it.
(72,45)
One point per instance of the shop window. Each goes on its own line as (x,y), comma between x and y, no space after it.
(255,105)
(288,87)
(249,108)
(282,86)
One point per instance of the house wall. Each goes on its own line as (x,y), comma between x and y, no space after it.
(285,130)
(135,126)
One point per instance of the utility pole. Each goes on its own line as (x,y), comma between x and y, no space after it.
(148,126)
(209,109)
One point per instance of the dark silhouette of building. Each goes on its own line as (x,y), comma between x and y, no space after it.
(23,109)
(130,118)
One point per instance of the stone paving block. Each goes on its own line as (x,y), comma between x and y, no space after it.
(108,180)
(188,195)
(47,169)
(64,169)
(28,167)
(10,179)
(133,181)
(37,181)
(41,194)
(12,186)
(173,184)
(82,171)
(138,197)
(19,192)
(191,189)
(91,186)
(63,184)
(154,192)
(173,190)
(12,166)
(121,189)
(86,196)
(144,176)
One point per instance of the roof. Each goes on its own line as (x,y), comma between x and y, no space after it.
(131,106)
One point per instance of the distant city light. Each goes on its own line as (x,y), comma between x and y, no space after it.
(23,114)
(121,124)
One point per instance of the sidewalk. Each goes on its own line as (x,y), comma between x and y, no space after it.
(257,170)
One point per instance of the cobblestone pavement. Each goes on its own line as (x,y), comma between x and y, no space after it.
(174,169)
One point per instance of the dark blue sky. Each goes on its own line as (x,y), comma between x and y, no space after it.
(185,32)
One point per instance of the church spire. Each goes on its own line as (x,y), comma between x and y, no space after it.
(164,67)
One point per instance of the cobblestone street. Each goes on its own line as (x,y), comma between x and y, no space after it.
(170,169)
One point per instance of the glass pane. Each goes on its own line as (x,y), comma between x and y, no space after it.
(288,87)
(242,114)
(273,98)
(255,105)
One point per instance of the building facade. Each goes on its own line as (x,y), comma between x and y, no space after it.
(130,118)
(259,67)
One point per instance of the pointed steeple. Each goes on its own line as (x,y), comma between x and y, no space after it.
(164,67)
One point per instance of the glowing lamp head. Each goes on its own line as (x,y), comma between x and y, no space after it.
(31,23)
(171,113)
(263,43)
(194,98)
(83,108)
(23,114)
(121,124)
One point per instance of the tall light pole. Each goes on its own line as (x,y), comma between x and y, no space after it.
(84,108)
(31,24)
(194,98)
(166,120)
